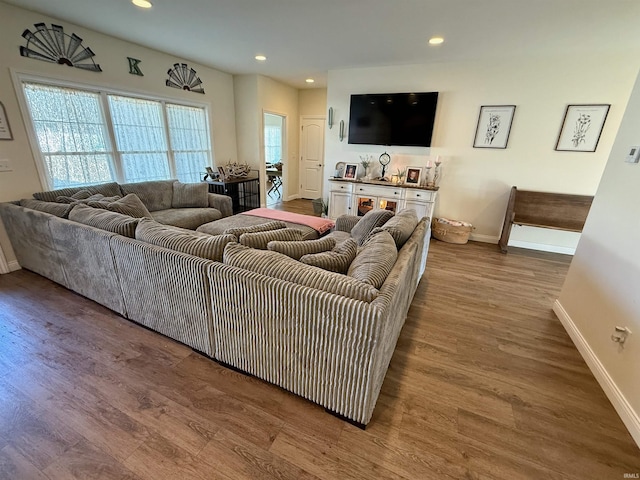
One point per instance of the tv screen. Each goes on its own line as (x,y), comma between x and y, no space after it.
(404,119)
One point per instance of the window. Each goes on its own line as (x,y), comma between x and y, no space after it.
(140,137)
(152,139)
(189,140)
(72,135)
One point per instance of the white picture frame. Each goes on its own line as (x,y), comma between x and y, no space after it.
(582,127)
(413,176)
(494,126)
(350,171)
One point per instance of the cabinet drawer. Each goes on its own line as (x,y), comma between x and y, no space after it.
(420,195)
(345,187)
(379,191)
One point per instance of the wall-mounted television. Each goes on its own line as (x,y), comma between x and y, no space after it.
(404,119)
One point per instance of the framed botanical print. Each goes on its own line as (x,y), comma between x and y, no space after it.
(494,126)
(582,127)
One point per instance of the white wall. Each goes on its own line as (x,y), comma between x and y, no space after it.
(313,101)
(601,289)
(476,182)
(254,95)
(111,54)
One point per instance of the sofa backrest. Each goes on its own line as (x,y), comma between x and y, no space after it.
(107,189)
(156,195)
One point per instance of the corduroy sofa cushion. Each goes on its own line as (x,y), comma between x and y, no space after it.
(400,226)
(337,260)
(260,240)
(182,240)
(277,265)
(263,227)
(156,194)
(81,195)
(190,195)
(372,219)
(58,209)
(296,250)
(106,189)
(129,205)
(104,220)
(375,259)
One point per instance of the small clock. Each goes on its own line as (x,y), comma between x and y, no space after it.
(384,161)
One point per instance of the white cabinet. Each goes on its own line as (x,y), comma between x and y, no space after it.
(356,198)
(374,197)
(422,201)
(340,201)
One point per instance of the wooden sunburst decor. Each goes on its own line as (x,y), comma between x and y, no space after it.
(55,46)
(184,78)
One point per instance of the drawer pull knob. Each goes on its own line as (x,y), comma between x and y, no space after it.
(418,195)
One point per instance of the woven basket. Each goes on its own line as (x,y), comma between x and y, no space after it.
(450,233)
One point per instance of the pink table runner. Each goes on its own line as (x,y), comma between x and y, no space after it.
(321,225)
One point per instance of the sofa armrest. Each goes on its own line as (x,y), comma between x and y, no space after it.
(222,203)
(345,223)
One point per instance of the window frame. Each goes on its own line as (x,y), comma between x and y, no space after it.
(20,77)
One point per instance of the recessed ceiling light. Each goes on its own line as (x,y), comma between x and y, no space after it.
(436,40)
(142,3)
(309,80)
(261,58)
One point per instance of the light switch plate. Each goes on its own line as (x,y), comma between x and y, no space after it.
(634,154)
(5,165)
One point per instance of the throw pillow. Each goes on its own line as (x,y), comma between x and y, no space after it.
(81,195)
(190,195)
(104,220)
(401,226)
(372,219)
(130,205)
(276,265)
(375,259)
(263,227)
(296,250)
(58,209)
(260,240)
(337,260)
(183,240)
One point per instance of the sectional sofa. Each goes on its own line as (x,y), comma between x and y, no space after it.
(325,336)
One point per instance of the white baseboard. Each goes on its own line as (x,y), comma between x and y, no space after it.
(477,237)
(293,197)
(629,416)
(14,265)
(543,247)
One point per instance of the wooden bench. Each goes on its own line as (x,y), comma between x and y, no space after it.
(541,209)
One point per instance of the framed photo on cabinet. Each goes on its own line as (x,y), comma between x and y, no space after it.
(494,126)
(582,127)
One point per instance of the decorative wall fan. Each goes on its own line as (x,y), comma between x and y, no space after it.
(53,45)
(184,78)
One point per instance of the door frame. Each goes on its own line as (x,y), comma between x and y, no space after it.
(323,119)
(263,161)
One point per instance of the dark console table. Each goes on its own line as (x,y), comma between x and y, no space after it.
(244,192)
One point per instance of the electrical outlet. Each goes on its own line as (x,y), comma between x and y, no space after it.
(5,165)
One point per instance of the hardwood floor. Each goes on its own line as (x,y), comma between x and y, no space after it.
(484,384)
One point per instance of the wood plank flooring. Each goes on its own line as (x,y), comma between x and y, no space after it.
(484,384)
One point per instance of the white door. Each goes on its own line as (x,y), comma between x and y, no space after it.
(311,156)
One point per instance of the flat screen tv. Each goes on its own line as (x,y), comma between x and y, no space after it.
(404,119)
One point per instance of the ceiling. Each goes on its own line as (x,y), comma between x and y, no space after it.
(307,38)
